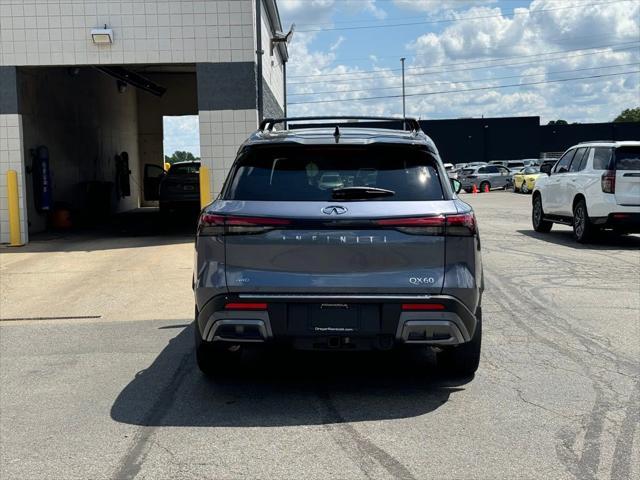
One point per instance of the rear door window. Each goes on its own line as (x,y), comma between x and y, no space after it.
(185,169)
(628,158)
(578,160)
(295,173)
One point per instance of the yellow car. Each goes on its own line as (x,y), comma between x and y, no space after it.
(525,179)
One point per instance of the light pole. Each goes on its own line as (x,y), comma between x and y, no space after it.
(404,112)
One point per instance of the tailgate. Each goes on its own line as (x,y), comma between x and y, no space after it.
(321,254)
(627,166)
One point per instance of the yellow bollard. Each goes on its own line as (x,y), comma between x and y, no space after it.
(14,209)
(205,187)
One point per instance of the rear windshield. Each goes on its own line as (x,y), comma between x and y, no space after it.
(191,168)
(295,173)
(628,158)
(468,170)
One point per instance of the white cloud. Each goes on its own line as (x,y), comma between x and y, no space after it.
(545,26)
(434,6)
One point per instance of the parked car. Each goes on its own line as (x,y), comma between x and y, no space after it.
(486,176)
(525,180)
(180,187)
(281,260)
(452,171)
(593,186)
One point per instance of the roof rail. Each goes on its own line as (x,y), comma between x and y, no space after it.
(597,141)
(409,124)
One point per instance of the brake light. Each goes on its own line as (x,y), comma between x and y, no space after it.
(463,224)
(416,225)
(413,307)
(608,181)
(211,224)
(245,306)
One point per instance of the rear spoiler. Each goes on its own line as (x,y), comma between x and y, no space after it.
(408,124)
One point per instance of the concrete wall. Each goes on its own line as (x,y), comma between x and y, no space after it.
(11,155)
(84,121)
(228,114)
(44,32)
(272,65)
(11,159)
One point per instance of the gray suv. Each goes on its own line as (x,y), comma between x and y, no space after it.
(338,238)
(486,176)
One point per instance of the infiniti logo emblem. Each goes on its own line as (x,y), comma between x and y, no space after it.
(334,210)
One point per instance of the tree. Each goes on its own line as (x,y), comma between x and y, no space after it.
(180,156)
(558,122)
(629,115)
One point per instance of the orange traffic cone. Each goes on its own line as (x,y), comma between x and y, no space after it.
(486,188)
(475,190)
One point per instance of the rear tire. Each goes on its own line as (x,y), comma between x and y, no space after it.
(537,216)
(583,229)
(463,359)
(483,186)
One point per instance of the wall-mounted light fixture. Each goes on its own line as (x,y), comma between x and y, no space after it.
(102,36)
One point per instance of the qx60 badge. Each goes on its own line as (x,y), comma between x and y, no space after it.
(334,210)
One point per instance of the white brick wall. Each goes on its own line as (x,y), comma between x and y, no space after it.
(272,69)
(221,134)
(58,32)
(11,159)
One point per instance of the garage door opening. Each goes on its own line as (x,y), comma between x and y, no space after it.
(91,136)
(176,186)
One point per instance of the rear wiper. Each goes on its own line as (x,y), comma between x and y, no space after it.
(361,192)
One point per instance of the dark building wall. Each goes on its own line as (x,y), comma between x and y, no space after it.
(226,86)
(464,140)
(557,138)
(271,107)
(483,139)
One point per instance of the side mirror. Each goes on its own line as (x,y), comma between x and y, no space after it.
(456,185)
(546,168)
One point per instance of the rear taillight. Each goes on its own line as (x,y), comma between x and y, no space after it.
(210,224)
(245,306)
(463,224)
(608,181)
(415,307)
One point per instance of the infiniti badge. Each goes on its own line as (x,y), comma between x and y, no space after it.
(334,210)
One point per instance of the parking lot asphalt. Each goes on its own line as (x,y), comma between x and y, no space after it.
(111,390)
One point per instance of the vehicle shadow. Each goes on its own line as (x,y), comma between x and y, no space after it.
(603,241)
(282,389)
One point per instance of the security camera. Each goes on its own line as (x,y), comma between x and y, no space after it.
(281,37)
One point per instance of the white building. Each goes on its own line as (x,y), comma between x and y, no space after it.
(88,102)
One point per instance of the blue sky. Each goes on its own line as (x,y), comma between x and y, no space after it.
(347,49)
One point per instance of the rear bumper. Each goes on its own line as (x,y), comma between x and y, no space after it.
(628,222)
(382,324)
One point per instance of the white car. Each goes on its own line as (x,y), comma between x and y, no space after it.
(451,169)
(594,185)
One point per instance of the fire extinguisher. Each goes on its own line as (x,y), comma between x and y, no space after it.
(41,179)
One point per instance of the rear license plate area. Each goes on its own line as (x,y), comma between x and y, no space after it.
(333,319)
